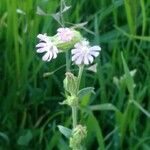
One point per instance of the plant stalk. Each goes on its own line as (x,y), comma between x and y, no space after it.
(79,76)
(74,116)
(67,62)
(75,108)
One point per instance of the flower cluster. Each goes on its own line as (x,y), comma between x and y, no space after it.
(82,53)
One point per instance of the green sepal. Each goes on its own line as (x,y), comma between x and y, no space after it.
(85,91)
(70,83)
(65,131)
(64,46)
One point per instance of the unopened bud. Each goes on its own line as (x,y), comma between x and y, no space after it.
(64,46)
(70,83)
(79,134)
(71,101)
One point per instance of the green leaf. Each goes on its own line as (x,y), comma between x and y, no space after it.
(65,131)
(85,91)
(106,106)
(141,108)
(128,79)
(25,138)
(4,136)
(97,131)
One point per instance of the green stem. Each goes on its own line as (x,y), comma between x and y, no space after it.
(79,76)
(74,116)
(75,108)
(67,62)
(61,14)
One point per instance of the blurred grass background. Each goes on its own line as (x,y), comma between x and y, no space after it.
(29,109)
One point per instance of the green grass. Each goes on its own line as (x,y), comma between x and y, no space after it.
(29,109)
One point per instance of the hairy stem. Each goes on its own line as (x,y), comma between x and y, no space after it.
(67,62)
(79,76)
(74,116)
(75,108)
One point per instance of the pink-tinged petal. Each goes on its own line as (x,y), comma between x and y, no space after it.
(74,57)
(40,45)
(54,49)
(54,55)
(95,48)
(74,51)
(77,45)
(85,43)
(93,53)
(60,29)
(79,60)
(41,36)
(90,58)
(41,50)
(65,34)
(50,56)
(45,57)
(86,61)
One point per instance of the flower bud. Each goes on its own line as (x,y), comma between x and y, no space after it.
(71,101)
(78,135)
(64,46)
(70,83)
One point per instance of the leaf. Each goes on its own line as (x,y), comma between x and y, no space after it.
(78,25)
(85,91)
(110,134)
(65,131)
(40,12)
(25,138)
(106,106)
(128,79)
(141,108)
(93,68)
(4,136)
(58,16)
(97,131)
(64,7)
(19,11)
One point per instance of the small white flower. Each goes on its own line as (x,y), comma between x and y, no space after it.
(46,45)
(65,34)
(83,53)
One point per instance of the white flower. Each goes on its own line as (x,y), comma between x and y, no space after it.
(65,34)
(83,53)
(46,45)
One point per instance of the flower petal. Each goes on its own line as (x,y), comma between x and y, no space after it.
(42,44)
(41,50)
(93,53)
(74,51)
(50,56)
(90,58)
(74,57)
(86,61)
(95,48)
(46,57)
(79,60)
